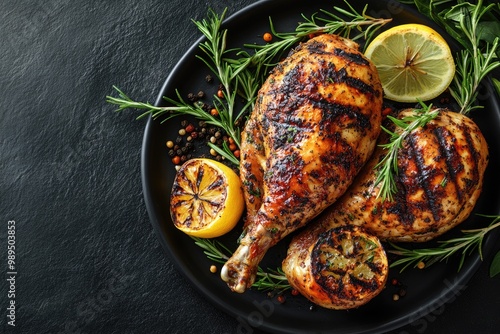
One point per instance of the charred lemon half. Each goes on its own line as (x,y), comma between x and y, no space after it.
(207,199)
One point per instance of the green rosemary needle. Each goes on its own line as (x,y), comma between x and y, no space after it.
(465,244)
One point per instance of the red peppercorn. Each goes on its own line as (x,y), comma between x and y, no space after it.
(281,299)
(176,160)
(267,37)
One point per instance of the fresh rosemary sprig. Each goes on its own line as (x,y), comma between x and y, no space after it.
(387,168)
(213,249)
(465,244)
(341,22)
(473,63)
(270,280)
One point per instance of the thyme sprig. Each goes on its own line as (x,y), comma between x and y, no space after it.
(387,168)
(268,280)
(465,244)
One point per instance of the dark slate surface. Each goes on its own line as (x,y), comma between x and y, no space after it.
(87,258)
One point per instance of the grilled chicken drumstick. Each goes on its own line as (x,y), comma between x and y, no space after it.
(314,126)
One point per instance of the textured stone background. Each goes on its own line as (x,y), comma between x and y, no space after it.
(88,259)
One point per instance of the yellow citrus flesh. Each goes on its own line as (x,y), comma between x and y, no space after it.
(414,62)
(207,199)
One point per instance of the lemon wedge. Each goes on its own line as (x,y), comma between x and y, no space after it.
(414,62)
(207,199)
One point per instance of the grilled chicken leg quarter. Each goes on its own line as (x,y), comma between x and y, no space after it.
(314,125)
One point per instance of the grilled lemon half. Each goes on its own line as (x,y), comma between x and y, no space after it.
(206,200)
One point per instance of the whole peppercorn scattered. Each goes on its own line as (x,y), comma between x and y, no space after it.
(213,269)
(220,94)
(209,78)
(421,265)
(176,160)
(201,94)
(170,144)
(281,298)
(236,153)
(295,292)
(191,97)
(189,128)
(267,37)
(214,112)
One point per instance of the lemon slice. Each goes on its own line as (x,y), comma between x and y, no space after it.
(207,199)
(414,62)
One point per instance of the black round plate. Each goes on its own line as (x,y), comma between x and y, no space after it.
(427,289)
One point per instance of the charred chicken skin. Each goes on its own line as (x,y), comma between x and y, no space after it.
(314,125)
(440,177)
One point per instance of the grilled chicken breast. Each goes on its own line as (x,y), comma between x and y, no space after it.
(340,268)
(314,126)
(441,168)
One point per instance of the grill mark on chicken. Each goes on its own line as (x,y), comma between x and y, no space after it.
(451,159)
(423,176)
(332,110)
(354,57)
(341,76)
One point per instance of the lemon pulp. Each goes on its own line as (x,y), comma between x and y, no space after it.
(206,199)
(414,62)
